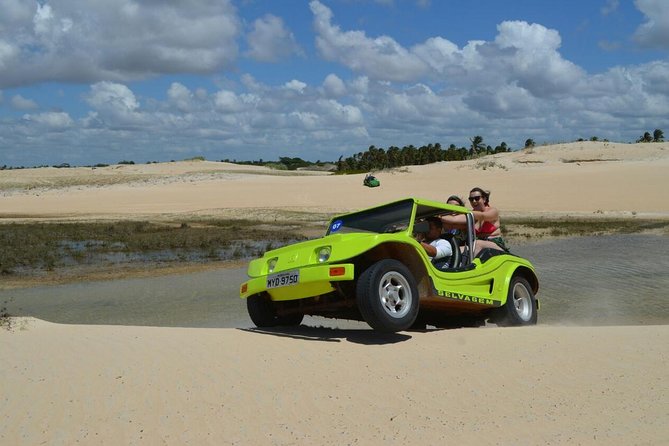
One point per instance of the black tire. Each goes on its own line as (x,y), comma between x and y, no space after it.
(520,307)
(419,324)
(290,320)
(387,296)
(263,312)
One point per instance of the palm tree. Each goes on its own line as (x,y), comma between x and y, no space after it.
(645,138)
(658,135)
(477,145)
(502,148)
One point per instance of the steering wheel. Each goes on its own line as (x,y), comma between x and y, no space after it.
(456,258)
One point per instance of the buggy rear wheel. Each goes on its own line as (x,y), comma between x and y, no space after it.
(520,307)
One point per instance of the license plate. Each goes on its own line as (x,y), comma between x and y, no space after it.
(283,279)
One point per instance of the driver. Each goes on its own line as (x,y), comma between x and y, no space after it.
(436,247)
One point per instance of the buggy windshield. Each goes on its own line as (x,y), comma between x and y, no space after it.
(393,217)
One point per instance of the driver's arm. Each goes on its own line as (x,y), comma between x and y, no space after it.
(429,249)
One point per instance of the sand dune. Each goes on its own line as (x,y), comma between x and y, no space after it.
(585,178)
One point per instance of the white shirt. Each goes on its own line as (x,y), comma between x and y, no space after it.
(443,248)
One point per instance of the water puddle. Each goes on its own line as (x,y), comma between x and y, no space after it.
(609,280)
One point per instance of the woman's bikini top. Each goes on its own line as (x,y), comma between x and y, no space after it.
(486,229)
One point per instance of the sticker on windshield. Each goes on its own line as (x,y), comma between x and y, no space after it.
(336,225)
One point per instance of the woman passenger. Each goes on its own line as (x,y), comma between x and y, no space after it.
(486,221)
(488,225)
(455,200)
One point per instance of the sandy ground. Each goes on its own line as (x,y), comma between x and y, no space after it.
(588,178)
(141,385)
(67,384)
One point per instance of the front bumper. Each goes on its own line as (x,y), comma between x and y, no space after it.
(314,281)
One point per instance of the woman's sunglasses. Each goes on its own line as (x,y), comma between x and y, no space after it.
(475,198)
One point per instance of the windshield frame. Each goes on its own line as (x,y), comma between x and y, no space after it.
(379,219)
(388,218)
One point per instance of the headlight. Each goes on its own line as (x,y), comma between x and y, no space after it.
(323,254)
(271,264)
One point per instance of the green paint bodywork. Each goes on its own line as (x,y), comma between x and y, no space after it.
(483,285)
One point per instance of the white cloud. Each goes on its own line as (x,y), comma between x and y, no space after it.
(380,58)
(114,106)
(305,120)
(80,41)
(270,40)
(529,38)
(334,86)
(295,85)
(180,96)
(230,102)
(56,121)
(275,121)
(21,103)
(513,57)
(655,77)
(533,60)
(360,85)
(655,31)
(112,96)
(8,54)
(438,53)
(335,114)
(509,101)
(250,82)
(227,101)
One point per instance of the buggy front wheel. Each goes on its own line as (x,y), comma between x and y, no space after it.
(387,296)
(262,311)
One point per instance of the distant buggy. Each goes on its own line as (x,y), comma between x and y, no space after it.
(369,267)
(371,181)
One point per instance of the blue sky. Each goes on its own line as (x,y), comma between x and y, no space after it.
(98,82)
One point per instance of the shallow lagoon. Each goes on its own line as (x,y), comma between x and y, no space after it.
(606,280)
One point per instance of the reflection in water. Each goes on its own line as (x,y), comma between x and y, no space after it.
(608,280)
(583,281)
(206,299)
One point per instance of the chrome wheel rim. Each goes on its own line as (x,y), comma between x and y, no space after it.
(395,294)
(522,302)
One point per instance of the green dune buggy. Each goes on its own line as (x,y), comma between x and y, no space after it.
(370,267)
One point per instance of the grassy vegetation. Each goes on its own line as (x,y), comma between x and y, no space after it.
(31,247)
(489,164)
(540,228)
